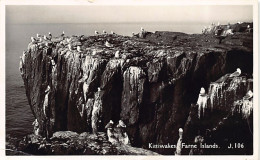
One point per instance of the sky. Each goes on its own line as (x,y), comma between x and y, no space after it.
(38,14)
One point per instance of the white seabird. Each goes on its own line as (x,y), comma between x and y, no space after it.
(69,46)
(142,29)
(249,95)
(52,62)
(38,35)
(202,102)
(121,124)
(33,39)
(99,89)
(110,132)
(117,54)
(179,143)
(68,40)
(112,32)
(104,32)
(79,49)
(45,37)
(50,35)
(94,52)
(96,33)
(248,26)
(236,73)
(107,44)
(63,33)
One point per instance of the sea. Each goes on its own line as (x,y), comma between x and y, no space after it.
(18,114)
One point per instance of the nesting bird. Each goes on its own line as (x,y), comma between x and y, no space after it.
(104,32)
(110,132)
(99,89)
(107,44)
(33,39)
(68,40)
(249,95)
(121,124)
(38,35)
(94,52)
(69,46)
(179,143)
(236,73)
(79,49)
(63,34)
(117,54)
(142,29)
(96,33)
(110,124)
(50,35)
(45,37)
(112,32)
(53,62)
(202,102)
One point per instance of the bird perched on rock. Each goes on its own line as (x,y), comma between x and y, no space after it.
(112,32)
(94,52)
(142,29)
(70,47)
(117,54)
(38,35)
(104,32)
(63,34)
(202,101)
(248,95)
(99,89)
(68,40)
(96,33)
(45,37)
(110,134)
(79,49)
(121,124)
(120,133)
(107,44)
(179,143)
(33,39)
(236,73)
(53,62)
(50,35)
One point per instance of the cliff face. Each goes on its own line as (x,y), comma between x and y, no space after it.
(150,85)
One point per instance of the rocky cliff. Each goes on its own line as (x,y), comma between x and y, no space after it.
(79,83)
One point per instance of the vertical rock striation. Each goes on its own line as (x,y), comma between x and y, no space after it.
(150,84)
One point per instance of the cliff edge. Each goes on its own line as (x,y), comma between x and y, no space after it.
(80,83)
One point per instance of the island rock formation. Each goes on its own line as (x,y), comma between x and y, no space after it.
(79,84)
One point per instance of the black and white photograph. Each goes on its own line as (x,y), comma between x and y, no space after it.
(168,80)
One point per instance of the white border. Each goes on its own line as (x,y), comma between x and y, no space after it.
(3,3)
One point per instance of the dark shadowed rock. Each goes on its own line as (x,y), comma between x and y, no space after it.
(150,85)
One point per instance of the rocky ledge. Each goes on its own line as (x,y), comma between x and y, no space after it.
(151,82)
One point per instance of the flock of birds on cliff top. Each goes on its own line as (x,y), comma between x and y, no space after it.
(47,40)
